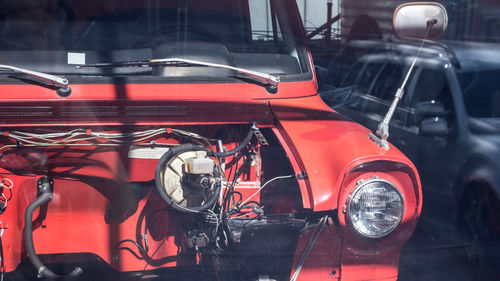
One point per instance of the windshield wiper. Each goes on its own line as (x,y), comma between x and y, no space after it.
(267,79)
(60,83)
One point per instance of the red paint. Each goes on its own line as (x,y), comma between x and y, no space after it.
(158,92)
(321,145)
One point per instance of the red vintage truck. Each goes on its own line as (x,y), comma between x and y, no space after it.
(143,136)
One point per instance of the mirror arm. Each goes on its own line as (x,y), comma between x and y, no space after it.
(382,133)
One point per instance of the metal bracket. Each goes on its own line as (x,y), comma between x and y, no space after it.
(260,137)
(44,185)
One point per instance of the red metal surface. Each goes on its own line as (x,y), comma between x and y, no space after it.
(328,144)
(75,217)
(321,144)
(210,92)
(324,261)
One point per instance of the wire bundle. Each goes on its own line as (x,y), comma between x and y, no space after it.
(85,137)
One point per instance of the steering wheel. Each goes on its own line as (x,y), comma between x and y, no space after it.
(166,34)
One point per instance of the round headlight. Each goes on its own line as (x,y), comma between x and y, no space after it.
(375,208)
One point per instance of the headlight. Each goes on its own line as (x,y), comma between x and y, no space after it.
(375,208)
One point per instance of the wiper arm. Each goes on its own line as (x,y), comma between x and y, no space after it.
(61,83)
(382,132)
(264,78)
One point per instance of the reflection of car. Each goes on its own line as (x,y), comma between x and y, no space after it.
(186,137)
(448,123)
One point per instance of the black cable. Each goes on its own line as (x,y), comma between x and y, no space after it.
(144,236)
(240,198)
(118,248)
(139,247)
(227,200)
(242,145)
(254,204)
(248,203)
(145,233)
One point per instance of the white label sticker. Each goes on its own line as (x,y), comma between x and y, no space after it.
(146,152)
(76,58)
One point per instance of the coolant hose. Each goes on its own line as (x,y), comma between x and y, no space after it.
(242,145)
(43,272)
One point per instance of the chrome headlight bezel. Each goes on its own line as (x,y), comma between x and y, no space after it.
(362,184)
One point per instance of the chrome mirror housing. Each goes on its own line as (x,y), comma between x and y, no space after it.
(412,20)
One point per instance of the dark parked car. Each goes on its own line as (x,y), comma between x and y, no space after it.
(448,123)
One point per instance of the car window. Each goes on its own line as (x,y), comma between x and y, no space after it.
(368,75)
(388,82)
(431,86)
(350,77)
(264,23)
(383,89)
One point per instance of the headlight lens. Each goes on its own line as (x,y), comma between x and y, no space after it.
(375,208)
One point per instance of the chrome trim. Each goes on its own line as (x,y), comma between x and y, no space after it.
(264,78)
(48,79)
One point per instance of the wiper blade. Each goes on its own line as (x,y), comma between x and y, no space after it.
(264,78)
(61,83)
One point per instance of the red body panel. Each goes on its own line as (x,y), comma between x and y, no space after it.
(322,145)
(157,92)
(105,203)
(329,146)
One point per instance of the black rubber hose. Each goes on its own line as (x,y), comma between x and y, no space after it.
(43,272)
(242,145)
(159,185)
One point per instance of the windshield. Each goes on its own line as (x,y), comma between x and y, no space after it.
(481,91)
(53,36)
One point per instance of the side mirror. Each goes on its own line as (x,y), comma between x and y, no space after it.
(434,127)
(430,109)
(412,20)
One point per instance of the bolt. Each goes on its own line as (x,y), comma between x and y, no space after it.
(205,182)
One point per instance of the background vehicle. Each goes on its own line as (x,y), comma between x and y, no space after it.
(182,137)
(447,123)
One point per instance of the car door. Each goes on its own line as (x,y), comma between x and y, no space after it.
(432,153)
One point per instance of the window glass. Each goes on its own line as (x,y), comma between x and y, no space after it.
(350,77)
(482,93)
(258,34)
(388,82)
(432,86)
(368,75)
(264,24)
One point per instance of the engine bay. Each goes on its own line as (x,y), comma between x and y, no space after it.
(143,198)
